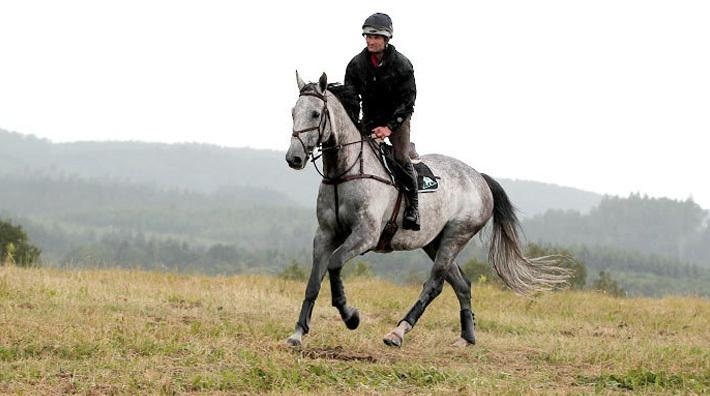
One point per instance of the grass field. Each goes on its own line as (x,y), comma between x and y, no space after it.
(116,331)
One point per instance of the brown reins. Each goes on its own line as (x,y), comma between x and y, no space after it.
(343,177)
(325,120)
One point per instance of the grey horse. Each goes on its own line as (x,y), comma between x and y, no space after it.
(355,202)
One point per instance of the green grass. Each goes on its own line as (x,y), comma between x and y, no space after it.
(128,332)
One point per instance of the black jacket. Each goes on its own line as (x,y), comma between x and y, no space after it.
(387,92)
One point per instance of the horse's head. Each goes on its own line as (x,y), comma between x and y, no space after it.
(311,122)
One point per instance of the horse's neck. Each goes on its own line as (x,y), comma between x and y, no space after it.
(346,161)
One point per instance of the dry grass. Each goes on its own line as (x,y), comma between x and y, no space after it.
(113,331)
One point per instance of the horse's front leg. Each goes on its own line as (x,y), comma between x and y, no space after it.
(361,240)
(323,246)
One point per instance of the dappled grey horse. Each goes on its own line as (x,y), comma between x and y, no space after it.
(356,200)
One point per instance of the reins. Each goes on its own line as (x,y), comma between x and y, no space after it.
(325,119)
(343,177)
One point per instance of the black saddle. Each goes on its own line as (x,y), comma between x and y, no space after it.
(426,180)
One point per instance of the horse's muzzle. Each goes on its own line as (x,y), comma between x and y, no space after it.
(296,162)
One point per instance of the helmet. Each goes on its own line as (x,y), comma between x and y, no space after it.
(378,24)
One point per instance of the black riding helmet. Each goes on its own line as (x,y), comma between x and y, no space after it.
(378,24)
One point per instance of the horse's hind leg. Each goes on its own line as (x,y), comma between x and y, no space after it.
(443,250)
(430,290)
(462,287)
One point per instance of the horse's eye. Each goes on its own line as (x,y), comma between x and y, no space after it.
(315,114)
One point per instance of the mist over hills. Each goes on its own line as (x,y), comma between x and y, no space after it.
(224,210)
(208,169)
(193,167)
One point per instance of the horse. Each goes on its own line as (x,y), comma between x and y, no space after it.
(357,200)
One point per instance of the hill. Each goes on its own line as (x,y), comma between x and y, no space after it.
(207,169)
(128,332)
(183,207)
(191,166)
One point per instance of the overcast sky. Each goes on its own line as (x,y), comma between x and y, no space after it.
(606,96)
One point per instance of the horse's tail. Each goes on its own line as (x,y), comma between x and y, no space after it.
(523,275)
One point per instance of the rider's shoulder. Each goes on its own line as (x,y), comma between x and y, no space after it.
(399,58)
(362,56)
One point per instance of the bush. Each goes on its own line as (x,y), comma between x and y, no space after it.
(607,285)
(294,271)
(15,247)
(361,269)
(479,271)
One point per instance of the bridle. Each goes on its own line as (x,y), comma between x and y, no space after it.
(344,177)
(324,118)
(322,122)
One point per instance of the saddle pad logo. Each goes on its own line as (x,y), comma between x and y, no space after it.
(428,183)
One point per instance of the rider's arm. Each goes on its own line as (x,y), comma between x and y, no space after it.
(405,95)
(352,77)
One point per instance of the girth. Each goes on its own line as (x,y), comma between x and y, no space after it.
(359,176)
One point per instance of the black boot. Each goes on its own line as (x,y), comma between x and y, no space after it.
(411,212)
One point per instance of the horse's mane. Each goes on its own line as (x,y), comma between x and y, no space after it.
(347,97)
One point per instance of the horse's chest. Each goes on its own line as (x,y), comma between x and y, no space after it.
(348,210)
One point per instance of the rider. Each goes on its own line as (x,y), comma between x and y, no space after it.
(384,80)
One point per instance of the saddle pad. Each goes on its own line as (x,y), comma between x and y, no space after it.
(426,179)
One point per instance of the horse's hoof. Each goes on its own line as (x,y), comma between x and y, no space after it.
(353,321)
(294,342)
(393,339)
(462,343)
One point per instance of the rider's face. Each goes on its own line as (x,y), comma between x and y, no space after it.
(375,43)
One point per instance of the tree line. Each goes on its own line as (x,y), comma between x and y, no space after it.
(85,222)
(677,232)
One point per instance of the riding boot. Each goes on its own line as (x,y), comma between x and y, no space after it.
(411,212)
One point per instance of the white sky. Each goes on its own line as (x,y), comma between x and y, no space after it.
(611,96)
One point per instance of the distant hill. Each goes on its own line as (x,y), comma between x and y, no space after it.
(229,210)
(533,198)
(208,168)
(193,167)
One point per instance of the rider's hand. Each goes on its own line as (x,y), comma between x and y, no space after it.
(382,132)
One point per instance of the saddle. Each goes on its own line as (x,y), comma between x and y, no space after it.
(427,182)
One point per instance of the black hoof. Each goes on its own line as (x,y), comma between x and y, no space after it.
(353,321)
(471,339)
(469,336)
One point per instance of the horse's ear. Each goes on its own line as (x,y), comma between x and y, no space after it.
(300,82)
(323,82)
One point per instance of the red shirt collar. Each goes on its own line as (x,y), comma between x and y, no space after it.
(373,60)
